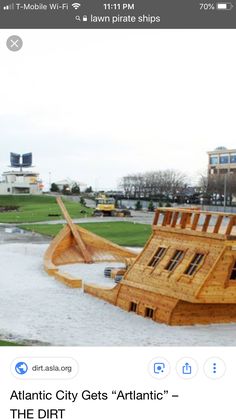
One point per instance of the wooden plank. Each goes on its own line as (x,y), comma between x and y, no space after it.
(206,222)
(190,211)
(165,218)
(218,224)
(195,221)
(194,234)
(230,225)
(156,217)
(169,217)
(183,220)
(175,219)
(86,255)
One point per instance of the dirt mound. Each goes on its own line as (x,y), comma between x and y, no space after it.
(9,208)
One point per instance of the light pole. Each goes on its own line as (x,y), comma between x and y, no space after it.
(227,182)
(225,191)
(49,180)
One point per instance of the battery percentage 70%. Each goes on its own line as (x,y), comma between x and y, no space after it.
(207,6)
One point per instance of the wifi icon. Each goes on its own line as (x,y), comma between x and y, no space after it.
(76,5)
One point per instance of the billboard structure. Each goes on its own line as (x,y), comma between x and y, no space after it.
(18,160)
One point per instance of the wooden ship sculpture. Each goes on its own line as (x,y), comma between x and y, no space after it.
(74,244)
(186,273)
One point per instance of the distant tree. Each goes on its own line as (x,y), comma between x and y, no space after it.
(203,182)
(159,183)
(54,187)
(89,189)
(138,206)
(75,190)
(151,206)
(82,201)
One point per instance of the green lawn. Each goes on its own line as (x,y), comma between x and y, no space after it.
(37,208)
(5,343)
(120,232)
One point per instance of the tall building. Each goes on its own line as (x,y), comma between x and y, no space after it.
(221,161)
(221,182)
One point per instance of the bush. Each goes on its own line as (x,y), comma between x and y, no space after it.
(75,190)
(89,189)
(54,188)
(82,201)
(138,206)
(151,207)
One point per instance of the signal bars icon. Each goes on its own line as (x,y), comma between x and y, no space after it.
(76,5)
(9,7)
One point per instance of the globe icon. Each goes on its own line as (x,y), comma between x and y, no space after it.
(21,368)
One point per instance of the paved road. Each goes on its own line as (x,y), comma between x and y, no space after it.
(141,217)
(15,235)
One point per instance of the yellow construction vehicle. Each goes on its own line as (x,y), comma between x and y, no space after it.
(106,206)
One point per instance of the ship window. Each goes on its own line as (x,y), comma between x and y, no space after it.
(149,312)
(191,269)
(157,257)
(133,306)
(176,258)
(233,273)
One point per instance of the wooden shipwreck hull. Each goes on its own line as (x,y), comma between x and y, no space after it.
(74,244)
(186,273)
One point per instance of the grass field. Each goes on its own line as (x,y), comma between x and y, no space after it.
(37,208)
(5,343)
(122,233)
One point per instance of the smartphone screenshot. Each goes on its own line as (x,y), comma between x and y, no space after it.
(117,209)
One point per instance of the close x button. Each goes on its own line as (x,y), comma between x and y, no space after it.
(14,43)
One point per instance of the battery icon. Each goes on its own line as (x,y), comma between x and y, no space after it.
(224,6)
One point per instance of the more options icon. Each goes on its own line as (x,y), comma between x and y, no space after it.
(214,368)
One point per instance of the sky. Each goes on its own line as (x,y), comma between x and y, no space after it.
(96,105)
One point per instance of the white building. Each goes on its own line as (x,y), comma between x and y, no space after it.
(19,182)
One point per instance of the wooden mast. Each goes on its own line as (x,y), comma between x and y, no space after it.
(74,231)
